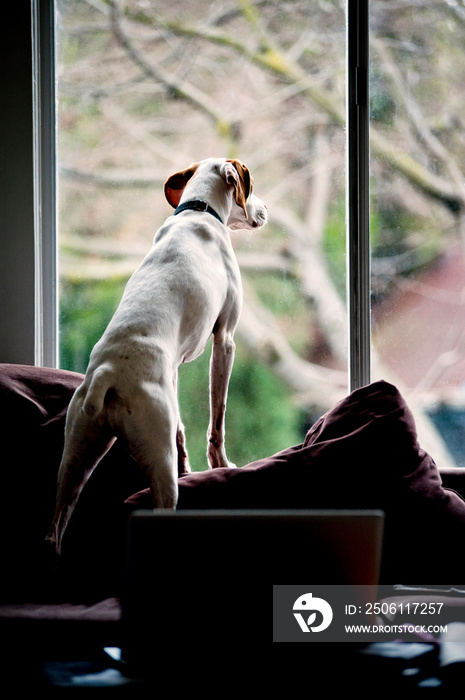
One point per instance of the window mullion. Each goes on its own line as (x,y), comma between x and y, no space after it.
(358,274)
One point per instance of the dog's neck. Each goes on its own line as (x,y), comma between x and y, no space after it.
(197,205)
(213,191)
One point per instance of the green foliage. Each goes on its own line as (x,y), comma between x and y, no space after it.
(394,231)
(261,417)
(85,310)
(281,294)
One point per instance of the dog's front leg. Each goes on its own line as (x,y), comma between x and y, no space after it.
(221,364)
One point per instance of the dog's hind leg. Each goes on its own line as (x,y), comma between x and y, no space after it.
(183,457)
(85,445)
(150,432)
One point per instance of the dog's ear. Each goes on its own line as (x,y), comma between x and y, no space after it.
(175,184)
(240,177)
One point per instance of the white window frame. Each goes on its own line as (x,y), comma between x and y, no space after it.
(28,266)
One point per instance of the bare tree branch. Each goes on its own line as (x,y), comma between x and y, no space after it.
(313,385)
(115,180)
(404,96)
(316,282)
(178,89)
(277,63)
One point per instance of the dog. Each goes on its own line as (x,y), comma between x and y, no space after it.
(186,289)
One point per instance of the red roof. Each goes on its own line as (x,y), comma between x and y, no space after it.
(419,333)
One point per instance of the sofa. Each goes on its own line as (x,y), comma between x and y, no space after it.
(363,453)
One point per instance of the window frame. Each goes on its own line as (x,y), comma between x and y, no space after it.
(358,195)
(29,312)
(28,279)
(45,187)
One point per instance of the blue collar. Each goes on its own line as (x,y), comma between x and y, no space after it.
(197,205)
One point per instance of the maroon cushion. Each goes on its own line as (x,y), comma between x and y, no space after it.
(33,405)
(363,453)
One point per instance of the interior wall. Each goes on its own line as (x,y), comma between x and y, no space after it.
(16,188)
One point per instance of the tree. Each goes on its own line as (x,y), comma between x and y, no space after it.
(147,88)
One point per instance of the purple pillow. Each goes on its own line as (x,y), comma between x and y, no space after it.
(363,453)
(33,406)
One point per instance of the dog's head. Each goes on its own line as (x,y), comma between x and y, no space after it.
(247,211)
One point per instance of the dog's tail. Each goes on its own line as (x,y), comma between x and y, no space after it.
(100,385)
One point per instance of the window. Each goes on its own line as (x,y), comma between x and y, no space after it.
(417,204)
(145,89)
(405,320)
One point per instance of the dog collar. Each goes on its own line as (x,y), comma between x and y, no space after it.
(197,205)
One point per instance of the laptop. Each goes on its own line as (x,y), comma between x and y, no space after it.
(197,578)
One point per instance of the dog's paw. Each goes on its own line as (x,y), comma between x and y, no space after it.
(216,456)
(223,465)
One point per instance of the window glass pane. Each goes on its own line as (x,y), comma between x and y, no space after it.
(144,89)
(417,223)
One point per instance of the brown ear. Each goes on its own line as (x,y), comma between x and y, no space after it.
(243,185)
(175,184)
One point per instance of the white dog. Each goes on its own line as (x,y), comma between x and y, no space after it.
(187,288)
